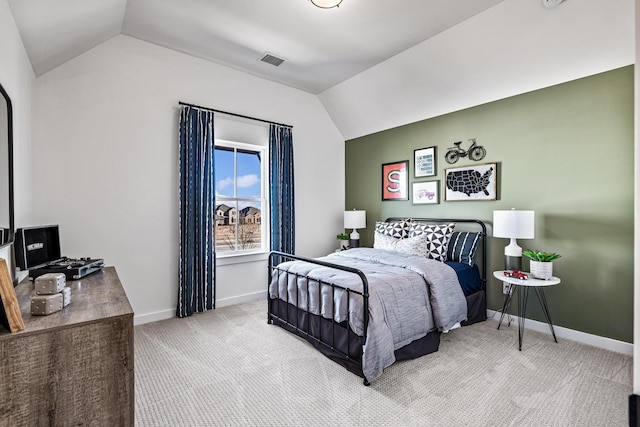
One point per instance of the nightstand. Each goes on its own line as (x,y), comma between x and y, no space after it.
(524,285)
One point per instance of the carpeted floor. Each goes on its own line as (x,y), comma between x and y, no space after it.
(229,367)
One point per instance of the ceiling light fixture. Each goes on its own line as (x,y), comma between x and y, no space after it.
(326,4)
(550,4)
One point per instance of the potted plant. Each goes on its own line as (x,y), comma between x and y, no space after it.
(541,263)
(343,241)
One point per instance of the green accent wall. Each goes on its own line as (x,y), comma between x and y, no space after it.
(565,152)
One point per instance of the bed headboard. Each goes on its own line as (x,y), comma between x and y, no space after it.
(474,225)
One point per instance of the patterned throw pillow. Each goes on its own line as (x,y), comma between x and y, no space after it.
(437,235)
(399,230)
(383,241)
(412,245)
(462,247)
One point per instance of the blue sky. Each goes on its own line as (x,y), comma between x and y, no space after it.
(248,171)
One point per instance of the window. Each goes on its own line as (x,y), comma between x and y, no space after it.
(241,223)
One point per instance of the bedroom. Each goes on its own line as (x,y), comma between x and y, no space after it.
(120,100)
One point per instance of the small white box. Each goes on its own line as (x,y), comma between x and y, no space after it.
(50,283)
(66,296)
(46,304)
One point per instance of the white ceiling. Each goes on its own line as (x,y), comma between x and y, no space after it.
(321,47)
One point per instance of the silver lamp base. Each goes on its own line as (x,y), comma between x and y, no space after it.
(512,262)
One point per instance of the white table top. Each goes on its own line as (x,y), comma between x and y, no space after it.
(525,282)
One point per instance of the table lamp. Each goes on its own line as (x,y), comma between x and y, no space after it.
(355,219)
(513,224)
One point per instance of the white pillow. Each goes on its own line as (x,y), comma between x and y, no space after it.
(384,241)
(413,245)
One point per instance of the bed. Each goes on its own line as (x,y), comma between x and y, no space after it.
(366,308)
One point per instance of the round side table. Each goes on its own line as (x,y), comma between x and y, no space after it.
(524,285)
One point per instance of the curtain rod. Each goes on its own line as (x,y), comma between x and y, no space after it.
(234,114)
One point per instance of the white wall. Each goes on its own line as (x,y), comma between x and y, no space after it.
(106,156)
(515,47)
(18,79)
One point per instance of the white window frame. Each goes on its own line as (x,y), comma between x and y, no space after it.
(254,254)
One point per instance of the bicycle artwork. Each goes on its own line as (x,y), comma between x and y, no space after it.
(475,152)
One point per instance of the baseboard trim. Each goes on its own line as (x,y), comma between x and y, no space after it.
(571,334)
(141,319)
(239,299)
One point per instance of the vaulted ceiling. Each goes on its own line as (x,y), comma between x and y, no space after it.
(321,48)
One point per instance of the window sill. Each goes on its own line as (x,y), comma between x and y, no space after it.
(229,259)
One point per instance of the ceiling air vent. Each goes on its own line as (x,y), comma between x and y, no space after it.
(270,59)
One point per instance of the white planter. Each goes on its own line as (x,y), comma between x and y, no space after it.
(541,270)
(343,244)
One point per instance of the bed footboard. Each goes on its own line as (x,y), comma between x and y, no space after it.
(336,340)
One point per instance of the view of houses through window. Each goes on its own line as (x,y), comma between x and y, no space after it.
(240,198)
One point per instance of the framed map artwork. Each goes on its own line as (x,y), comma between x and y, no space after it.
(395,181)
(424,162)
(477,182)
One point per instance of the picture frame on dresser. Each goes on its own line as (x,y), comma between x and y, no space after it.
(10,315)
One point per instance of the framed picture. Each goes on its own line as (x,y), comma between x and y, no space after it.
(477,182)
(10,315)
(425,193)
(424,162)
(395,181)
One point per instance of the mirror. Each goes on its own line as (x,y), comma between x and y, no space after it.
(6,169)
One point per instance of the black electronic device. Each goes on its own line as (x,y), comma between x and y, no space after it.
(38,250)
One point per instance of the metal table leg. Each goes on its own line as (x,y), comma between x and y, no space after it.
(506,305)
(522,311)
(545,309)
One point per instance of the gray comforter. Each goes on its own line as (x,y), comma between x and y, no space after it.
(409,296)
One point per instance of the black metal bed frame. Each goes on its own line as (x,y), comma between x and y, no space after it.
(336,340)
(300,321)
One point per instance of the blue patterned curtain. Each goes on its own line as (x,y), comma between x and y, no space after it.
(281,189)
(197,201)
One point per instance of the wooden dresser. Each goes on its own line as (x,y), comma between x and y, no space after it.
(73,367)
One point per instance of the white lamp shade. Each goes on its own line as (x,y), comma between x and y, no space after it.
(514,224)
(355,219)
